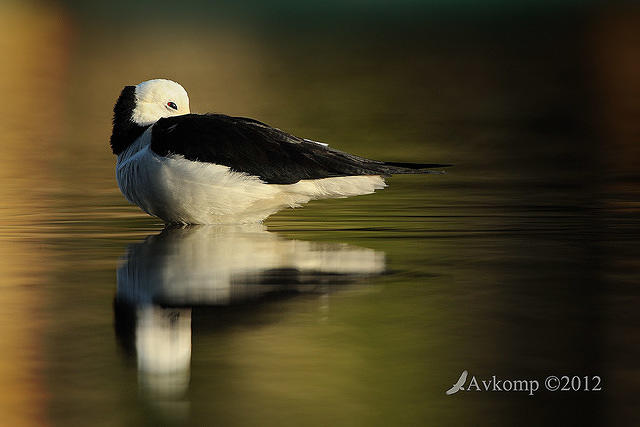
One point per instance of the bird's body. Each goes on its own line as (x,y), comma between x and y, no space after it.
(212,168)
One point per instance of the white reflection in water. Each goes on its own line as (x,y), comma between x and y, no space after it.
(163,349)
(161,278)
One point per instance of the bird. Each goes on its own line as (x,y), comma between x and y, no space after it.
(187,168)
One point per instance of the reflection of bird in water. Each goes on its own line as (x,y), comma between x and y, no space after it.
(207,169)
(221,265)
(231,268)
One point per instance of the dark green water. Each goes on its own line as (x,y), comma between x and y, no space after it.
(520,262)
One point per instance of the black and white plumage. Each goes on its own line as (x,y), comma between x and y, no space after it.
(212,168)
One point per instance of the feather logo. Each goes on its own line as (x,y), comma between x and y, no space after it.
(459,384)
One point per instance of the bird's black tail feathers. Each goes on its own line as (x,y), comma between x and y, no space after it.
(391,168)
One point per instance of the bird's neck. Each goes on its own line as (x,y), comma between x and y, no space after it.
(125,134)
(125,130)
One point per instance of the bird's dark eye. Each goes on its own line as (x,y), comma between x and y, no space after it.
(172,105)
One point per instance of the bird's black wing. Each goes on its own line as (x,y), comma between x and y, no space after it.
(249,146)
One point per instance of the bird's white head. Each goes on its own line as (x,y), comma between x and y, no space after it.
(158,98)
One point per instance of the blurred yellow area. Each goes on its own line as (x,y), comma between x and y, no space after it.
(35,60)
